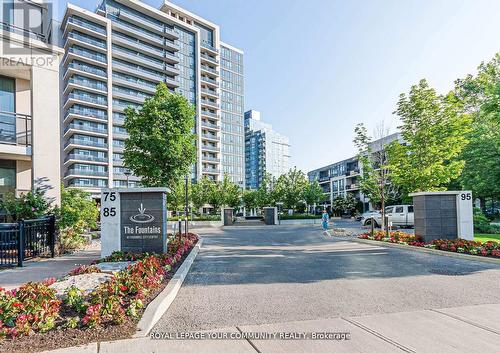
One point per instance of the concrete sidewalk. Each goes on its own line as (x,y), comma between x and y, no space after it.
(465,329)
(38,270)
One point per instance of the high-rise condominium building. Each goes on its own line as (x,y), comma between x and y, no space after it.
(115,57)
(266,151)
(29,101)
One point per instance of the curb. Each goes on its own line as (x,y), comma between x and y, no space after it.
(430,251)
(155,310)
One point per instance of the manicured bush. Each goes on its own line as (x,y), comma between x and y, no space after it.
(300,216)
(30,205)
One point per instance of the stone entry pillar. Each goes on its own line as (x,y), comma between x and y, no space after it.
(227,216)
(270,215)
(443,215)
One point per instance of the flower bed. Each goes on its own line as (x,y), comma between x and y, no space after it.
(34,309)
(463,246)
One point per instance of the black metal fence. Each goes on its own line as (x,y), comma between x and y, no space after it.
(25,240)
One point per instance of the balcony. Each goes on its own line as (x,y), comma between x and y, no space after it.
(209,58)
(209,47)
(210,114)
(88,69)
(87,25)
(210,137)
(86,172)
(210,103)
(97,85)
(134,83)
(137,71)
(209,80)
(128,42)
(87,40)
(15,134)
(210,159)
(87,128)
(84,142)
(98,57)
(210,148)
(209,69)
(87,99)
(85,157)
(210,92)
(210,125)
(87,113)
(137,32)
(210,170)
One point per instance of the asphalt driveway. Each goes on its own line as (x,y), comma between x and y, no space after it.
(262,275)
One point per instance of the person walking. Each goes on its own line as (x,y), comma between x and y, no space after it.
(324,220)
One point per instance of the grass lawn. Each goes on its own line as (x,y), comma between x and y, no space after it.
(486,237)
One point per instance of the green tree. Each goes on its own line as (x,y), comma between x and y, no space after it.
(479,96)
(434,130)
(78,210)
(266,193)
(344,205)
(290,188)
(199,193)
(313,193)
(374,178)
(231,193)
(215,197)
(161,146)
(176,199)
(250,199)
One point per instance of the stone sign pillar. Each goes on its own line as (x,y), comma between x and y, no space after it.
(270,216)
(443,215)
(227,216)
(133,220)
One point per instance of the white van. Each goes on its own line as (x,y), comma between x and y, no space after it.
(399,215)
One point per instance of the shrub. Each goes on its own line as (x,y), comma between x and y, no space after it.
(80,270)
(30,205)
(32,308)
(70,239)
(300,216)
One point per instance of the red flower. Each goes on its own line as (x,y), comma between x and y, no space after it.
(17,305)
(123,288)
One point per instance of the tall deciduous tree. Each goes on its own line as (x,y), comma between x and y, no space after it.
(480,97)
(313,193)
(231,193)
(161,146)
(290,188)
(374,170)
(435,131)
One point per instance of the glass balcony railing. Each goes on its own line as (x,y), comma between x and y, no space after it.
(88,25)
(87,54)
(137,68)
(209,91)
(89,128)
(210,170)
(210,148)
(210,136)
(138,44)
(101,86)
(87,98)
(87,39)
(89,172)
(84,142)
(207,113)
(207,102)
(208,79)
(131,93)
(207,124)
(88,112)
(209,69)
(137,30)
(209,46)
(209,58)
(134,80)
(15,129)
(88,68)
(210,159)
(86,157)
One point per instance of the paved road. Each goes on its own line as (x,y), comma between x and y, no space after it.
(258,275)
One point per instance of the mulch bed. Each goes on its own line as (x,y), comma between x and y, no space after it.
(63,338)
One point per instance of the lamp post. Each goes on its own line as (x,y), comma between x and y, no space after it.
(186,206)
(279,204)
(127,174)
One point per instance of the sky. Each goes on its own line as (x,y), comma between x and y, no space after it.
(316,68)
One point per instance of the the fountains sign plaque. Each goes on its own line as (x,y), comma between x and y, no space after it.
(133,220)
(142,228)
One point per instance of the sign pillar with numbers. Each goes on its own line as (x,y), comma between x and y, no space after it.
(465,215)
(133,220)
